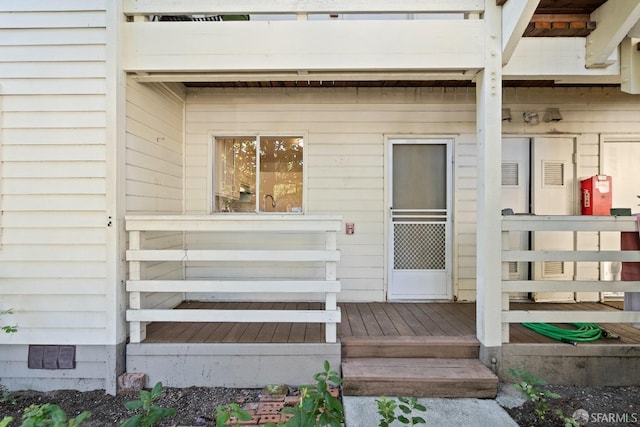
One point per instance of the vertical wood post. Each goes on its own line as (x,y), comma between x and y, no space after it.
(137,330)
(489,134)
(330,303)
(505,295)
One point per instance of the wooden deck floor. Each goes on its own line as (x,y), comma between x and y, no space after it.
(364,319)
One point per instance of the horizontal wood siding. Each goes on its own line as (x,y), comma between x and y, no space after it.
(53,254)
(345,132)
(154,168)
(53,260)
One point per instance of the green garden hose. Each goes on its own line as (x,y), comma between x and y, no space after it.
(583,332)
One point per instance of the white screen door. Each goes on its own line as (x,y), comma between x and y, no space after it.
(420,219)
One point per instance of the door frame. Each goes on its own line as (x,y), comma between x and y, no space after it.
(449,141)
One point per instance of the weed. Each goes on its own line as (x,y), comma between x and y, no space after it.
(317,406)
(151,414)
(49,414)
(5,421)
(408,406)
(8,329)
(224,414)
(531,388)
(387,411)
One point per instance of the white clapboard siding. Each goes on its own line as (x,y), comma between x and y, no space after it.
(345,136)
(53,258)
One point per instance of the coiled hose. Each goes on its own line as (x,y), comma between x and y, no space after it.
(584,332)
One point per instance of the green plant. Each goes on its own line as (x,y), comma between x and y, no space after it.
(224,414)
(387,411)
(6,396)
(49,414)
(317,406)
(531,388)
(151,414)
(9,329)
(5,421)
(567,421)
(408,406)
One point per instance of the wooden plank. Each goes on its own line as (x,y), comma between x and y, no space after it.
(425,319)
(369,320)
(569,285)
(243,7)
(415,325)
(274,223)
(233,255)
(398,321)
(555,316)
(298,316)
(574,256)
(283,329)
(386,325)
(235,286)
(355,321)
(568,223)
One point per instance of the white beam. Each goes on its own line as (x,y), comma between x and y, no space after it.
(306,46)
(294,76)
(516,15)
(630,66)
(243,7)
(614,19)
(489,137)
(556,58)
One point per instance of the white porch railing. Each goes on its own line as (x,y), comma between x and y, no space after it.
(572,224)
(138,315)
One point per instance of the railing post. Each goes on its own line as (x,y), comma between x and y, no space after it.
(330,303)
(505,295)
(137,330)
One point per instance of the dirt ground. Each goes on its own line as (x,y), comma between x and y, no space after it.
(604,406)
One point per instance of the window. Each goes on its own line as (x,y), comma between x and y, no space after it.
(257,174)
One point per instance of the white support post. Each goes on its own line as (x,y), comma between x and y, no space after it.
(330,304)
(137,330)
(489,133)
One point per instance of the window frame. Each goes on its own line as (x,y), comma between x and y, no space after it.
(211,164)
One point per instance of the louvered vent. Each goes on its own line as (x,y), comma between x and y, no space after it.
(510,174)
(553,174)
(553,268)
(513,267)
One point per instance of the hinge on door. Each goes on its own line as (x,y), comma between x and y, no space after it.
(574,158)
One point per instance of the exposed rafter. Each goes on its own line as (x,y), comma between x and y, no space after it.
(614,19)
(516,15)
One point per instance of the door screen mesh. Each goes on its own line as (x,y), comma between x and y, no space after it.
(419,246)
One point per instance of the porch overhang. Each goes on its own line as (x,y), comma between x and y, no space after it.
(303,46)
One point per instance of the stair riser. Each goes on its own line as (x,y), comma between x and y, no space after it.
(460,389)
(462,352)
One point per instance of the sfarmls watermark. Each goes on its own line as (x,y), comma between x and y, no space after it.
(583,417)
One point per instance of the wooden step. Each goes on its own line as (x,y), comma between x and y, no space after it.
(423,377)
(406,346)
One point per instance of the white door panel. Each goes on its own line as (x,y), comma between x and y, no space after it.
(515,195)
(553,194)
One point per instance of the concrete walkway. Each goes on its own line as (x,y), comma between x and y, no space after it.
(363,411)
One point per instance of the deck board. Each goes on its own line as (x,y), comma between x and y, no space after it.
(365,319)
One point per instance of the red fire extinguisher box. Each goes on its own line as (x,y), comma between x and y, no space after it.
(596,195)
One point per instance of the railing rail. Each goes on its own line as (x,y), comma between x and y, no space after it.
(198,7)
(138,315)
(574,224)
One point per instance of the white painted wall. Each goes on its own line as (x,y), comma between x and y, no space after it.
(345,130)
(154,170)
(53,258)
